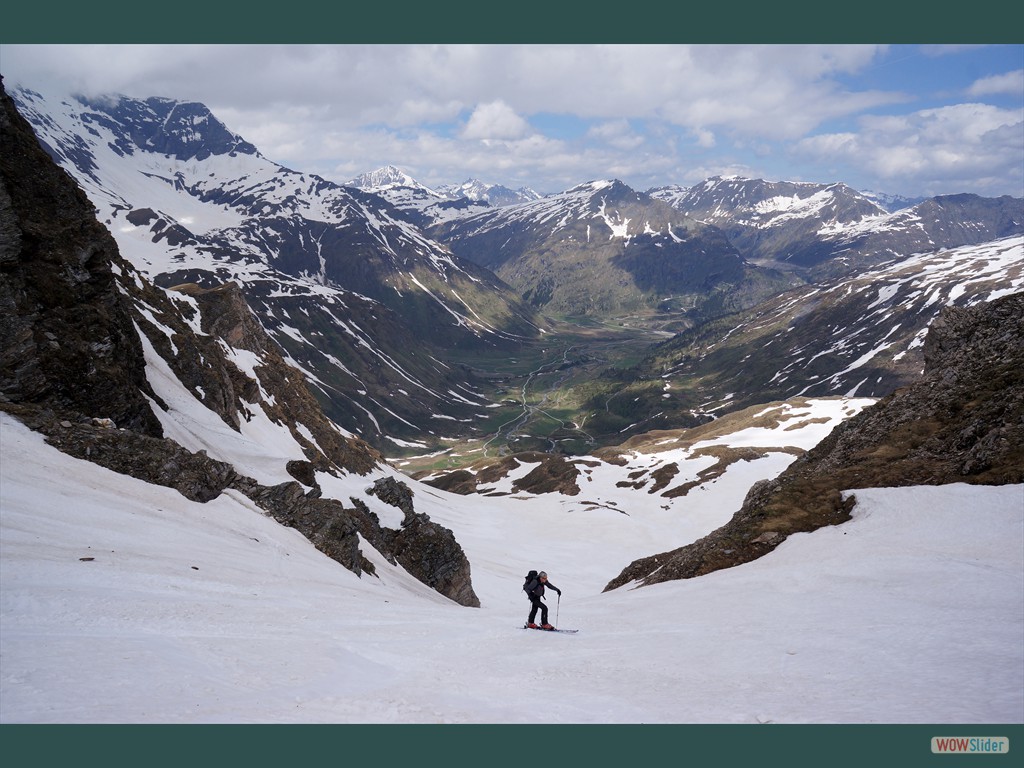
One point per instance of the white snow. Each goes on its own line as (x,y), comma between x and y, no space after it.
(123,602)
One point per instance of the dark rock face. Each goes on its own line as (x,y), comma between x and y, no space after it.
(195,476)
(430,553)
(397,494)
(962,423)
(68,336)
(185,129)
(73,368)
(425,549)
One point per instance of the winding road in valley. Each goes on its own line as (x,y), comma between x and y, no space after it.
(579,357)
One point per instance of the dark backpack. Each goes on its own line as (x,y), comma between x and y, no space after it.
(530,578)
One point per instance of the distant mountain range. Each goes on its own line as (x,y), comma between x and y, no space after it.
(360,300)
(602,249)
(424,206)
(382,289)
(858,336)
(817,230)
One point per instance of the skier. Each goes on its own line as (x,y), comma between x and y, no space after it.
(535,591)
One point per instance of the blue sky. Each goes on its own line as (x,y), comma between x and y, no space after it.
(903,119)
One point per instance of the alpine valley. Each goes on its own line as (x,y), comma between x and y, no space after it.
(424,393)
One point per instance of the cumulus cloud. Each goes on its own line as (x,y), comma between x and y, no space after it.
(704,138)
(394,84)
(495,120)
(964,144)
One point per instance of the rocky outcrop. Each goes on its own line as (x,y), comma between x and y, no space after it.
(425,549)
(962,423)
(77,322)
(552,474)
(67,332)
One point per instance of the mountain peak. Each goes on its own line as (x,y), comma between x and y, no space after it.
(185,130)
(387,176)
(497,195)
(595,185)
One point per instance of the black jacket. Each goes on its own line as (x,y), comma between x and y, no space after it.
(535,589)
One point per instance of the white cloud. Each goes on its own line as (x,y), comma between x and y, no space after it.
(1011,83)
(963,144)
(394,84)
(616,133)
(495,120)
(704,138)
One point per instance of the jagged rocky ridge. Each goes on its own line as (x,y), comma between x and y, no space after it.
(87,331)
(963,422)
(827,230)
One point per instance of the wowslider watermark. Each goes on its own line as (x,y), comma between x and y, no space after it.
(970,745)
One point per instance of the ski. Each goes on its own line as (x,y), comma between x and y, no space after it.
(565,631)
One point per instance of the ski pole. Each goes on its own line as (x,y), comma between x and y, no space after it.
(558,605)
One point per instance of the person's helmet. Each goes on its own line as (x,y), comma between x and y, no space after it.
(542,574)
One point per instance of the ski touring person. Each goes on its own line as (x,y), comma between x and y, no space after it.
(534,587)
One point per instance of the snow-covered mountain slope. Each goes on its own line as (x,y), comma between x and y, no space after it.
(388,176)
(601,248)
(181,389)
(766,204)
(356,295)
(662,466)
(935,224)
(596,204)
(426,207)
(861,336)
(176,204)
(889,201)
(400,189)
(496,195)
(135,605)
(823,230)
(962,421)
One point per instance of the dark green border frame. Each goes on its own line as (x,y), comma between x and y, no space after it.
(462,21)
(527,21)
(496,746)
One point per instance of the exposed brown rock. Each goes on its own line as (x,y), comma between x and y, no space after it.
(553,474)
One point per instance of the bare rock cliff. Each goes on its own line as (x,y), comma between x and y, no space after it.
(67,332)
